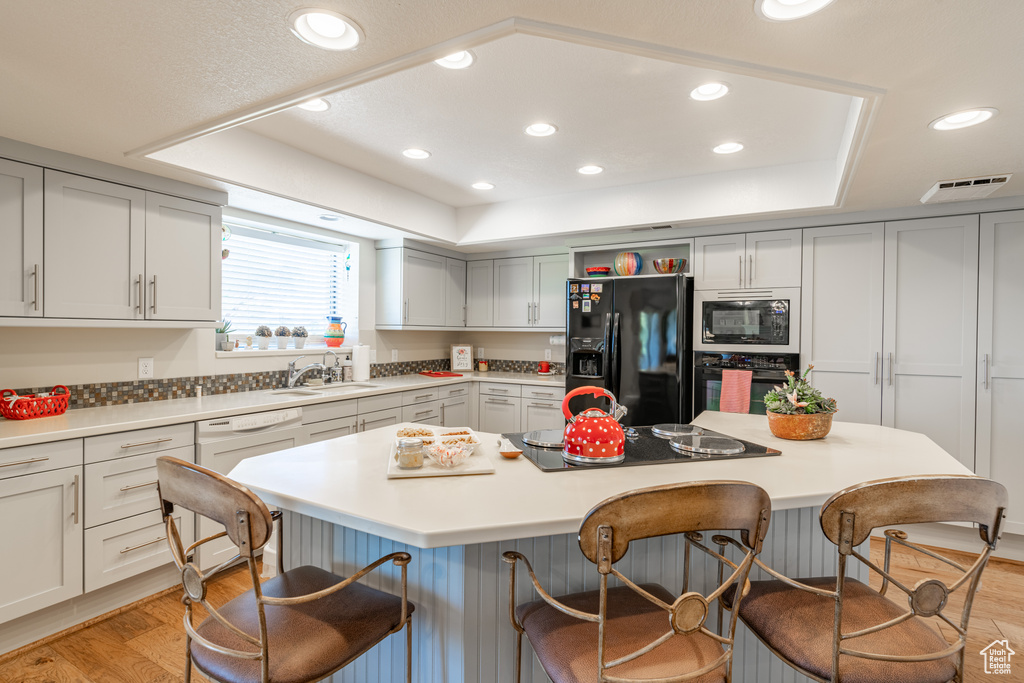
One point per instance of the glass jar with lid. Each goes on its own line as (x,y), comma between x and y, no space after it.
(409,453)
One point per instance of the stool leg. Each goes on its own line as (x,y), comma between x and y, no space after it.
(519,657)
(188,659)
(408,650)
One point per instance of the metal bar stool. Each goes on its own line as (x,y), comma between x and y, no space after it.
(644,632)
(838,629)
(299,627)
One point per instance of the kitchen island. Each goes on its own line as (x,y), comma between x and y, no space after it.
(343,512)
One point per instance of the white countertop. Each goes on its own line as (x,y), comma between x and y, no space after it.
(75,424)
(343,481)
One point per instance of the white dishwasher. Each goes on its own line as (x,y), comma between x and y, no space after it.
(223,443)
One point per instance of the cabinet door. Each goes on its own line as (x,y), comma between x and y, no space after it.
(930,330)
(513,292)
(423,283)
(21,234)
(1000,368)
(499,415)
(455,412)
(549,276)
(183,245)
(773,259)
(127,547)
(43,547)
(379,418)
(455,293)
(480,294)
(718,262)
(94,248)
(542,415)
(331,429)
(841,330)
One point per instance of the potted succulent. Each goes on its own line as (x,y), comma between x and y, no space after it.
(283,334)
(798,410)
(299,334)
(222,334)
(263,335)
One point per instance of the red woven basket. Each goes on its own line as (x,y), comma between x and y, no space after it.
(27,407)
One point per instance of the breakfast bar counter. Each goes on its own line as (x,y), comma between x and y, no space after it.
(342,513)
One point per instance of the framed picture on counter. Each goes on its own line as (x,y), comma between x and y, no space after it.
(462,357)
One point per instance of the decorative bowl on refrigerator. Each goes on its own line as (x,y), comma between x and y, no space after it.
(593,436)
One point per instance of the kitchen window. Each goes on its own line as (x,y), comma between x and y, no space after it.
(274,279)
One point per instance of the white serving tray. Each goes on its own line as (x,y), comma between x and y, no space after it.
(477,463)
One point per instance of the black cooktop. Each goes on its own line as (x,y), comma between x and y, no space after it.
(644,449)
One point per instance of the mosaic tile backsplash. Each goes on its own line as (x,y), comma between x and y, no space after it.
(140,391)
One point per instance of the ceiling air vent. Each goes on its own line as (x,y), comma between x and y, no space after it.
(964,188)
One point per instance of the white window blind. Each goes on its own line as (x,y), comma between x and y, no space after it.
(274,280)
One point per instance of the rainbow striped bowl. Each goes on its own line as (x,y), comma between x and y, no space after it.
(628,263)
(669,265)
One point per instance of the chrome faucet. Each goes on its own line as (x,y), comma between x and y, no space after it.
(294,376)
(329,376)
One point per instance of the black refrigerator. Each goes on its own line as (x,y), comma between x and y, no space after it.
(632,336)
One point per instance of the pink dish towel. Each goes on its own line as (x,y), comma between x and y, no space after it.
(736,391)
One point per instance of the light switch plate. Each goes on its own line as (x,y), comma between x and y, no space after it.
(480,352)
(394,355)
(373,355)
(547,354)
(145,368)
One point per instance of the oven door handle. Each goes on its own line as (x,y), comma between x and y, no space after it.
(716,373)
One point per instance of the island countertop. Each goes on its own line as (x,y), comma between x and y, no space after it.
(343,481)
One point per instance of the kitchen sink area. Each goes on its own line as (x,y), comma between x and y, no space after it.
(320,389)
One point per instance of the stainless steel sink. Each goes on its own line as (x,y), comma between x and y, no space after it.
(319,389)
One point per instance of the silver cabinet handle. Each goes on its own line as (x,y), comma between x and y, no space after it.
(541,393)
(504,401)
(423,396)
(148,443)
(750,273)
(405,317)
(35,287)
(23,462)
(442,415)
(890,369)
(453,392)
(874,369)
(363,428)
(138,486)
(504,391)
(529,312)
(985,370)
(741,270)
(463,315)
(138,294)
(76,484)
(545,405)
(153,304)
(423,412)
(143,545)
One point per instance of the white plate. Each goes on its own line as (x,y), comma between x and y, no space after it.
(438,433)
(477,464)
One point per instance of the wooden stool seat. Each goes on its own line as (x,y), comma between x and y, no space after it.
(308,641)
(567,646)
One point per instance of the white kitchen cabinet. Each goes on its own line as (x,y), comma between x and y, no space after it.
(455,412)
(757,260)
(480,293)
(929,344)
(549,276)
(94,248)
(130,546)
(379,418)
(183,259)
(410,288)
(455,293)
(21,234)
(541,414)
(424,413)
(1000,387)
(841,304)
(42,540)
(331,429)
(499,415)
(530,291)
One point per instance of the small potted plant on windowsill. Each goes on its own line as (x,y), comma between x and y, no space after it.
(283,334)
(222,335)
(798,410)
(263,335)
(299,334)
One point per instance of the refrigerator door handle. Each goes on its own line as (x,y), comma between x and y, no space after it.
(613,359)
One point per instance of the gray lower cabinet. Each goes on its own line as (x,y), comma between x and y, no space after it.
(379,418)
(119,550)
(499,414)
(541,414)
(331,429)
(455,412)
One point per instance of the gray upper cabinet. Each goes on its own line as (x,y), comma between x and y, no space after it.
(757,260)
(549,275)
(480,293)
(718,262)
(530,291)
(412,288)
(455,293)
(21,237)
(95,235)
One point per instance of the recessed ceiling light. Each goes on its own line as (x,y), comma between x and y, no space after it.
(414,153)
(329,217)
(709,91)
(457,60)
(325,29)
(589,170)
(963,119)
(318,104)
(728,148)
(540,130)
(785,10)
(483,185)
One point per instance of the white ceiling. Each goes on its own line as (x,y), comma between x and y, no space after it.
(104,78)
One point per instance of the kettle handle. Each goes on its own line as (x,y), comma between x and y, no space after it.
(579,391)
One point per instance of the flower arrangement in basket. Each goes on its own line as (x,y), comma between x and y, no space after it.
(798,410)
(29,406)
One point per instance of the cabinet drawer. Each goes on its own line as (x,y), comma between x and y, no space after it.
(328,411)
(40,458)
(331,429)
(122,444)
(380,418)
(543,393)
(538,414)
(500,389)
(382,402)
(453,390)
(125,487)
(121,549)
(421,412)
(422,396)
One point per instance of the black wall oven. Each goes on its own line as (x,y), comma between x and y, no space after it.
(747,321)
(769,371)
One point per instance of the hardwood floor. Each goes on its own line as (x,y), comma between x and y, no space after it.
(146,644)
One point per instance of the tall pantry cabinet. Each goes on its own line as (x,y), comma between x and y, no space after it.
(893,318)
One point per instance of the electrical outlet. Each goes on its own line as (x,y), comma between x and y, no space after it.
(547,354)
(373,355)
(394,355)
(480,353)
(145,368)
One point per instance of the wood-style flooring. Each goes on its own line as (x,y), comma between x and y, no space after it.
(146,643)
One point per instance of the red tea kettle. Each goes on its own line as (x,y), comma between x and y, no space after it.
(593,436)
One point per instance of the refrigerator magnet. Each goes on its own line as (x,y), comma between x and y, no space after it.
(575,304)
(574,288)
(596,287)
(586,306)
(585,287)
(595,297)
